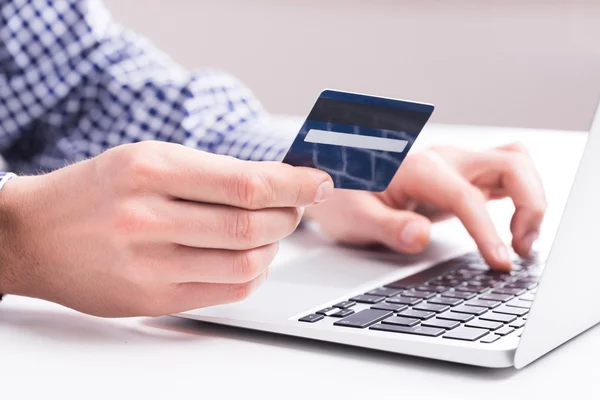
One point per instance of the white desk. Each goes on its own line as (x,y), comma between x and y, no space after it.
(47,350)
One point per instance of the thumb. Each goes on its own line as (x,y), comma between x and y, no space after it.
(403,231)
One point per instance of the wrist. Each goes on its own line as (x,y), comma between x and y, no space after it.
(11,201)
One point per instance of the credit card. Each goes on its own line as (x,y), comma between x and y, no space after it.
(359,140)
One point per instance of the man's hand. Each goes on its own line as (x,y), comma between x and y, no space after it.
(150,229)
(435,184)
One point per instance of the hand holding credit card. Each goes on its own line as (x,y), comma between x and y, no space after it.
(359,140)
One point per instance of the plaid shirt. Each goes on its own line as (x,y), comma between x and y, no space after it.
(74,83)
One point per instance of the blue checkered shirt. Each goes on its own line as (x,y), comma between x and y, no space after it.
(74,83)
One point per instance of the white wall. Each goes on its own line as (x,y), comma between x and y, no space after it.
(500,62)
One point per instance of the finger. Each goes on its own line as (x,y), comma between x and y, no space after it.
(186,264)
(517,177)
(429,179)
(516,147)
(194,175)
(190,296)
(400,230)
(222,227)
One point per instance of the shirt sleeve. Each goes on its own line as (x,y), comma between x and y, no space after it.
(74,83)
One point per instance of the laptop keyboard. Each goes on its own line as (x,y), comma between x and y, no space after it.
(460,299)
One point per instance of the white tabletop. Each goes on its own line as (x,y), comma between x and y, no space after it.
(47,350)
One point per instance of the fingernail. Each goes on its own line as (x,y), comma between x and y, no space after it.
(324,192)
(412,233)
(529,239)
(502,254)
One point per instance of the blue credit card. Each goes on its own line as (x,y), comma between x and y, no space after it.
(360,140)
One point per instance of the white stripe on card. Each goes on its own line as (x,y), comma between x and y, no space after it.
(353,140)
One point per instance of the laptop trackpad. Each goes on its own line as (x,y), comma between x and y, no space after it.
(337,269)
(323,277)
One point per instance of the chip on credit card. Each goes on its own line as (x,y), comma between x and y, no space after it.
(360,140)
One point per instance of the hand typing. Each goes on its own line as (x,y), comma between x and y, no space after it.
(436,184)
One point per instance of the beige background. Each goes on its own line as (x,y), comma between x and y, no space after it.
(497,62)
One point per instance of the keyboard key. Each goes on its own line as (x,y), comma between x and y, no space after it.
(328,311)
(390,307)
(469,289)
(456,316)
(475,284)
(416,330)
(419,294)
(483,303)
(497,274)
(411,301)
(363,318)
(519,312)
(496,297)
(458,295)
(364,298)
(445,300)
(512,291)
(522,285)
(518,323)
(452,277)
(527,297)
(345,304)
(441,323)
(519,332)
(487,282)
(437,308)
(531,278)
(519,303)
(343,313)
(491,338)
(469,271)
(402,321)
(416,314)
(492,316)
(433,288)
(420,278)
(491,325)
(468,334)
(312,318)
(470,310)
(451,282)
(505,330)
(386,292)
(526,262)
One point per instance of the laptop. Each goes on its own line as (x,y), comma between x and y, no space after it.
(444,305)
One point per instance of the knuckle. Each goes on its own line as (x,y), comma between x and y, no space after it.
(138,163)
(539,210)
(466,196)
(246,227)
(254,190)
(132,219)
(517,164)
(240,291)
(295,217)
(519,147)
(422,162)
(247,265)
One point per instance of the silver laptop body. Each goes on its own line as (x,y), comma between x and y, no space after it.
(372,292)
